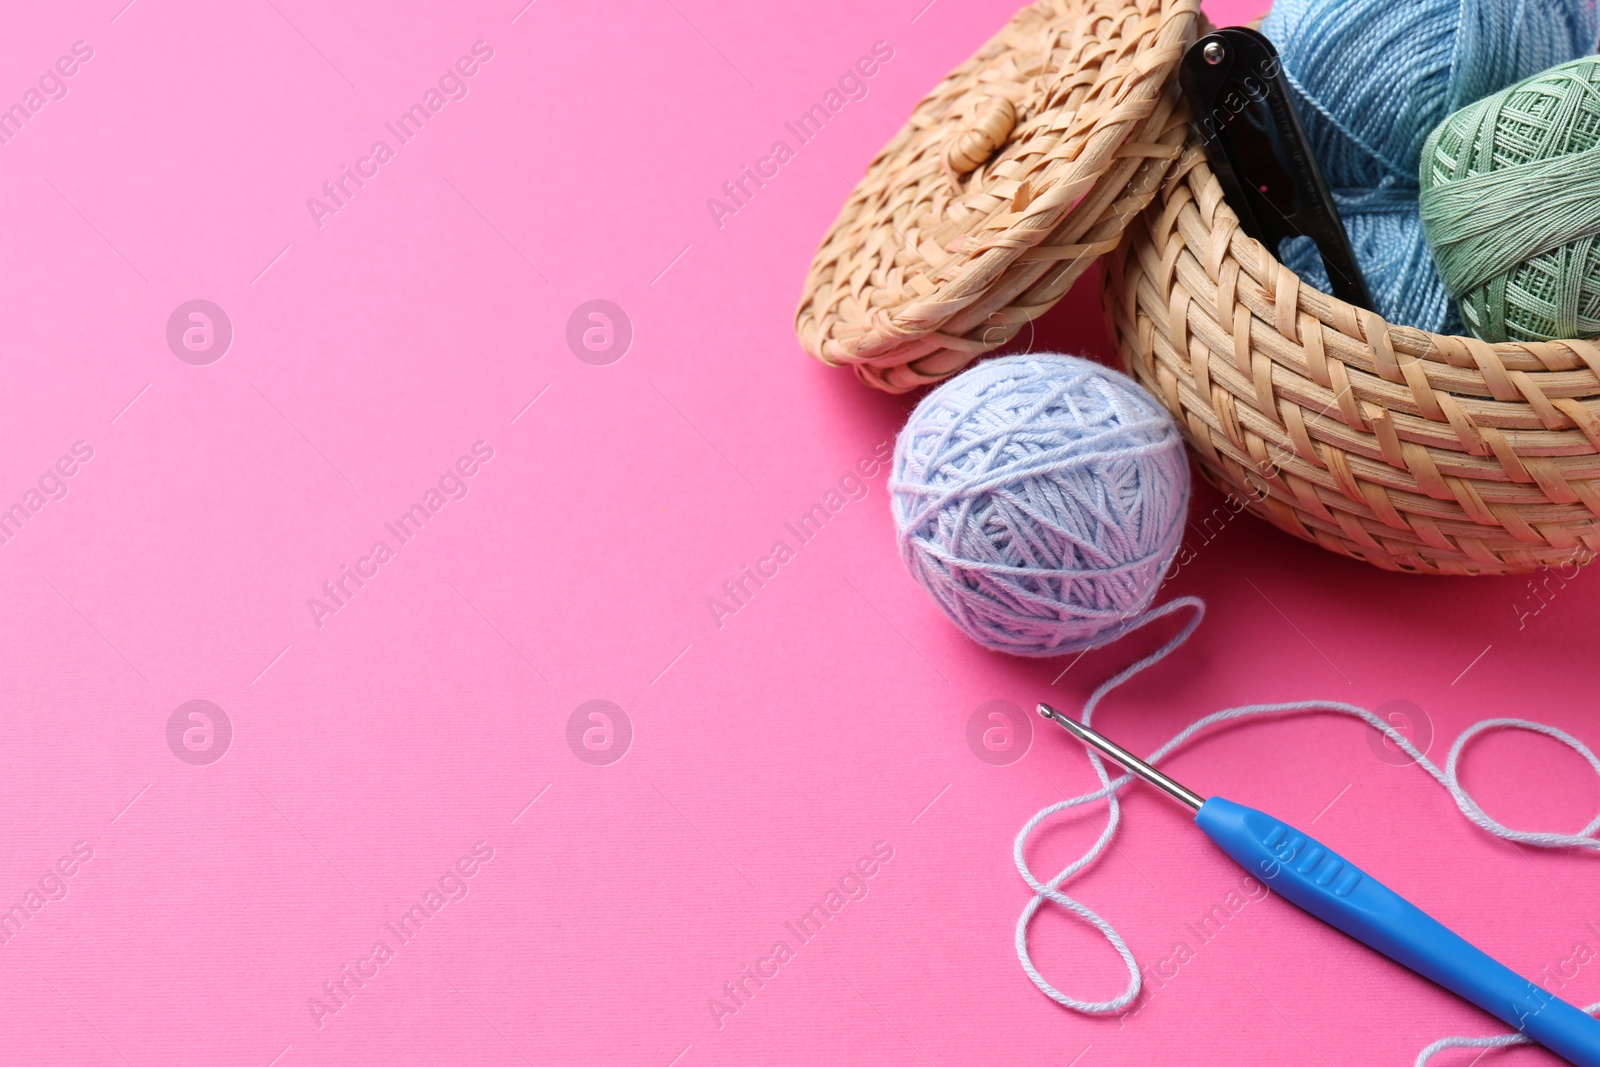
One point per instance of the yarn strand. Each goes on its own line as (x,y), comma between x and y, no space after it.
(1498,1041)
(1448,777)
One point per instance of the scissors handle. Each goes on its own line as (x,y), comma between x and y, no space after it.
(1318,880)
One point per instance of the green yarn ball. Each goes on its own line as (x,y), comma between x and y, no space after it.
(1511,206)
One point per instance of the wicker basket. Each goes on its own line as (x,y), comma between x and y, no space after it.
(1409,450)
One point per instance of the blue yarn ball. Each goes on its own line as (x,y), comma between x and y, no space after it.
(1040,499)
(1371,79)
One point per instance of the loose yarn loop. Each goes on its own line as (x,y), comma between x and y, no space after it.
(1448,777)
(1511,204)
(1371,79)
(1039,499)
(1499,1041)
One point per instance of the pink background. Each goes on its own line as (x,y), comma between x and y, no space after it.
(769,754)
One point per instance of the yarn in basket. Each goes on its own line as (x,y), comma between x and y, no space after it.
(1371,80)
(1039,499)
(1511,205)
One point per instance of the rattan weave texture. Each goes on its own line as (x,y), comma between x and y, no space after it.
(1410,450)
(947,247)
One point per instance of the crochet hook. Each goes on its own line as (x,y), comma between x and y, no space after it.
(1318,880)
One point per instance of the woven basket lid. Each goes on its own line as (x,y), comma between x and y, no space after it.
(1014,175)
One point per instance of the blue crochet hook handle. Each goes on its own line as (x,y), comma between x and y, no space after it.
(1318,880)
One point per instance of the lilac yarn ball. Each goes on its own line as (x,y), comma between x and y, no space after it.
(1039,499)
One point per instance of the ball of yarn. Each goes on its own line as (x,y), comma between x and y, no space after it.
(1371,79)
(1039,499)
(1511,203)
